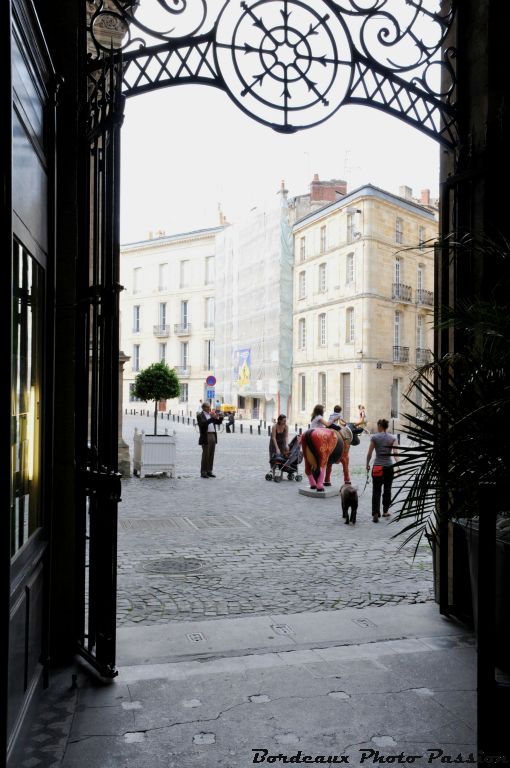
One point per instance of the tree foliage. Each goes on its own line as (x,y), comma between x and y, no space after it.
(156,382)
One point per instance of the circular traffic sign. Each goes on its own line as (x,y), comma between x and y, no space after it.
(210,381)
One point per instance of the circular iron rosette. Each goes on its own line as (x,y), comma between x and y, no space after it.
(286,63)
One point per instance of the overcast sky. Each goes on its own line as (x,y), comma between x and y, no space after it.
(188,148)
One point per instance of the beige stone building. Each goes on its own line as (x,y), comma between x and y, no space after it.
(363,302)
(168,310)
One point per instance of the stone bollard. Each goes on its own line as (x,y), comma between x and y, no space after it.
(265,425)
(194,423)
(300,431)
(251,429)
(295,427)
(269,431)
(241,428)
(188,419)
(258,429)
(398,438)
(162,415)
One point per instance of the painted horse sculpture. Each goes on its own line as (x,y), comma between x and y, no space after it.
(323,447)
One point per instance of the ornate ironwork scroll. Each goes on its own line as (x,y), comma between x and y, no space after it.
(289,64)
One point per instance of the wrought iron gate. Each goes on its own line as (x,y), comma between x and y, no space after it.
(288,64)
(97,368)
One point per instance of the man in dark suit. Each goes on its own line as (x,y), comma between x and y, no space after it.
(207,422)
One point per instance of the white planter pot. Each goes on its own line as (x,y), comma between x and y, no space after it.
(153,454)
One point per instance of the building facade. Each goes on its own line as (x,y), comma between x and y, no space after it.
(168,311)
(363,303)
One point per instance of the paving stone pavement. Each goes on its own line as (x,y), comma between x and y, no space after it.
(244,546)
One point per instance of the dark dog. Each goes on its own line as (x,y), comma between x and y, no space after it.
(349,498)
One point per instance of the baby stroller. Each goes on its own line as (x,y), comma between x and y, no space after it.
(286,464)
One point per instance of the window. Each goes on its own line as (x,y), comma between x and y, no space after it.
(350,227)
(183,393)
(398,271)
(302,285)
(241,402)
(162,314)
(322,389)
(322,278)
(209,355)
(162,352)
(184,354)
(322,330)
(135,365)
(397,328)
(421,238)
(209,312)
(399,230)
(349,325)
(137,279)
(136,318)
(26,368)
(302,248)
(162,277)
(183,274)
(132,398)
(322,239)
(395,399)
(302,333)
(419,332)
(209,270)
(302,391)
(184,314)
(420,281)
(349,268)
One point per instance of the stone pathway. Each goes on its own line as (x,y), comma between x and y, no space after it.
(239,545)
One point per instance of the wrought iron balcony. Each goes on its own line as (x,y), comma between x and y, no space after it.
(425,297)
(182,370)
(161,331)
(401,292)
(400,354)
(182,329)
(423,356)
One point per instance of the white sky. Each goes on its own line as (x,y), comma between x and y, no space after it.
(187,148)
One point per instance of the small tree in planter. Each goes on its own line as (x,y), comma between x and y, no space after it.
(157,382)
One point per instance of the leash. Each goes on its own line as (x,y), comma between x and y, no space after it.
(366,482)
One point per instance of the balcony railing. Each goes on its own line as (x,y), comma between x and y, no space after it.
(161,331)
(401,292)
(182,370)
(423,356)
(400,354)
(182,329)
(425,297)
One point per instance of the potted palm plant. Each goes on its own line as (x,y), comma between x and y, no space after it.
(155,453)
(457,460)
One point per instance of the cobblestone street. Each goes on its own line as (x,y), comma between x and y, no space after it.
(240,545)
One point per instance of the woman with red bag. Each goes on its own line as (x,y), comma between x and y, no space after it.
(385,446)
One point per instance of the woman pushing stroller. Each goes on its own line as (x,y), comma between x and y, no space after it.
(279,440)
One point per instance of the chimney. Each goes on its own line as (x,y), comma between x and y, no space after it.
(425,197)
(405,192)
(326,191)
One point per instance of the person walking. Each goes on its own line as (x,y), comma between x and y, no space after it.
(208,438)
(385,446)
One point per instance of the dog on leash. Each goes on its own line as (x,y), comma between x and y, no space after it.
(349,499)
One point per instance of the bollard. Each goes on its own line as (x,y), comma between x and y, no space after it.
(233,427)
(258,429)
(265,425)
(194,423)
(251,429)
(173,416)
(269,431)
(300,430)
(168,417)
(162,415)
(398,438)
(295,427)
(188,419)
(241,428)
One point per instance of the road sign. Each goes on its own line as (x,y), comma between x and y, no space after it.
(210,394)
(210,381)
